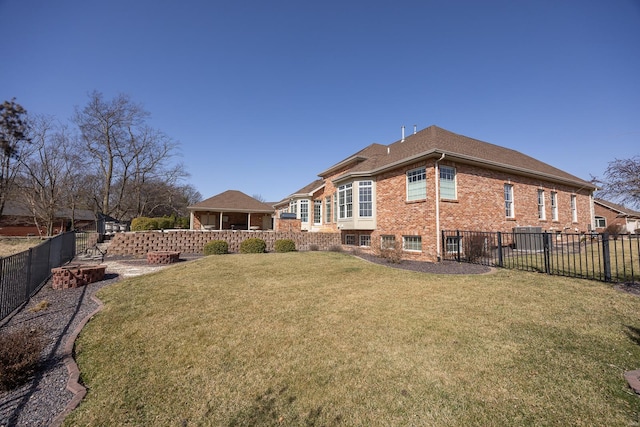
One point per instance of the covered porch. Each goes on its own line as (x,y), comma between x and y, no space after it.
(231,210)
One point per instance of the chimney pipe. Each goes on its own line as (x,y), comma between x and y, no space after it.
(402,134)
(415,129)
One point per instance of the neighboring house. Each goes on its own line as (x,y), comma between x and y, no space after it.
(608,213)
(231,210)
(17,220)
(409,191)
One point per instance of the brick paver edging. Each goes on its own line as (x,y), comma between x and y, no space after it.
(73,385)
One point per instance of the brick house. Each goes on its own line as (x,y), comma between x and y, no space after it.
(18,220)
(231,210)
(608,213)
(433,180)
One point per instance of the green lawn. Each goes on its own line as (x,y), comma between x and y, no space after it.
(323,338)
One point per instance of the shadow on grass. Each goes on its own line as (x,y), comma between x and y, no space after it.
(634,334)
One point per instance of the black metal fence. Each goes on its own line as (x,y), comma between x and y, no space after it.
(23,274)
(605,257)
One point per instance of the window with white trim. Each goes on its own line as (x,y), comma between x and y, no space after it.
(304,211)
(293,207)
(387,242)
(448,183)
(453,244)
(350,239)
(574,208)
(554,206)
(541,210)
(417,184)
(335,207)
(317,212)
(601,222)
(327,205)
(365,240)
(345,201)
(508,201)
(412,243)
(365,198)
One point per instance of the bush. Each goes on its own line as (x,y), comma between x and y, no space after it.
(253,246)
(165,223)
(335,248)
(614,230)
(216,247)
(285,245)
(143,223)
(475,247)
(314,248)
(390,252)
(19,357)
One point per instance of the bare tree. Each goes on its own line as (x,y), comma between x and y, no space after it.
(44,176)
(13,133)
(105,129)
(127,154)
(622,181)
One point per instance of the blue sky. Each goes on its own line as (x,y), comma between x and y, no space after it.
(263,95)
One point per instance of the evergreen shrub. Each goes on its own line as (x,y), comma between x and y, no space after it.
(216,247)
(285,245)
(253,246)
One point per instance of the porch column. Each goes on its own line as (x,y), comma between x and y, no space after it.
(249,221)
(221,220)
(191,220)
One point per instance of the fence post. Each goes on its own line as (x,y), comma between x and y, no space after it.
(547,252)
(458,245)
(606,257)
(27,287)
(500,259)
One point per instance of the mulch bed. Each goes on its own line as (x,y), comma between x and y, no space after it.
(443,267)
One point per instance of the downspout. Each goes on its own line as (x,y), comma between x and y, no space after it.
(438,237)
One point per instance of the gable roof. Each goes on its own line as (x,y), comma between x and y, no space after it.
(433,142)
(232,201)
(622,211)
(13,208)
(307,190)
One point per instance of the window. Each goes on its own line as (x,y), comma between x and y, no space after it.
(345,201)
(541,212)
(350,239)
(335,207)
(365,200)
(304,211)
(554,206)
(327,205)
(365,240)
(453,244)
(412,243)
(417,184)
(447,183)
(574,209)
(317,211)
(601,222)
(293,207)
(387,242)
(508,200)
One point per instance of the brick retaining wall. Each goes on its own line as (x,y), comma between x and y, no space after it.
(192,241)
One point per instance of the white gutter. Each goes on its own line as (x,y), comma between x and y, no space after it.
(437,180)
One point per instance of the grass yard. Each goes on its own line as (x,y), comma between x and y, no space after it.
(13,245)
(322,338)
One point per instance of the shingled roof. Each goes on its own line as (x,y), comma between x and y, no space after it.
(622,211)
(433,142)
(232,201)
